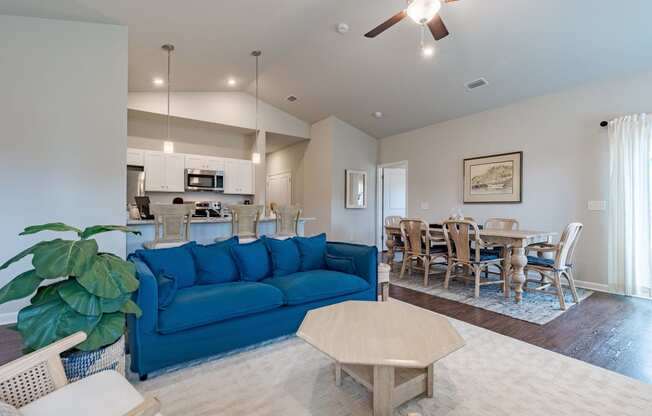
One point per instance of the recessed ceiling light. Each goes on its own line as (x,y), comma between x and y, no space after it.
(232,82)
(377,114)
(427,51)
(158,81)
(342,28)
(291,98)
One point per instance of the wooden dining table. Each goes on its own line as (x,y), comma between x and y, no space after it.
(513,243)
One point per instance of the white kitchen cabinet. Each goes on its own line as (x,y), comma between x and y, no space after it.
(164,172)
(204,163)
(135,157)
(238,177)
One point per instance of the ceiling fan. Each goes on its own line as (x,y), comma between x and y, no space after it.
(423,12)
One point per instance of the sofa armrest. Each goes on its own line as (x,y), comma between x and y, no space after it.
(364,257)
(146,297)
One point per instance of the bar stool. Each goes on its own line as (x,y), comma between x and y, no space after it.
(287,221)
(171,225)
(245,222)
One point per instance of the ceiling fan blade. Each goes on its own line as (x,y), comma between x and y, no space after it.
(438,28)
(386,24)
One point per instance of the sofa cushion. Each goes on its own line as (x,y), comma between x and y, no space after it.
(306,287)
(253,260)
(340,264)
(312,251)
(167,290)
(174,262)
(106,393)
(207,304)
(214,262)
(285,256)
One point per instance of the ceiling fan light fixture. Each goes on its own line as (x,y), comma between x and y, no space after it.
(427,51)
(423,11)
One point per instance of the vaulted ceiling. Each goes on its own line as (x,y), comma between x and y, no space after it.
(522,47)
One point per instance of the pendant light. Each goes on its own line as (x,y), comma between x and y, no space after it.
(255,156)
(168,145)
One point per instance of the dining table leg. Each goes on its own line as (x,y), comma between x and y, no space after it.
(506,270)
(519,261)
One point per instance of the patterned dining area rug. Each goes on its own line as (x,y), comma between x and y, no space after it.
(536,307)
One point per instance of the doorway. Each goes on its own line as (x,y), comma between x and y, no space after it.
(392,196)
(279,189)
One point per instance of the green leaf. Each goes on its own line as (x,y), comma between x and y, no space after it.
(21,286)
(131,307)
(26,252)
(98,229)
(41,324)
(109,277)
(53,226)
(59,258)
(85,303)
(106,332)
(46,293)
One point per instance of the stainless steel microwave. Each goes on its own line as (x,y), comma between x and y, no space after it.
(204,180)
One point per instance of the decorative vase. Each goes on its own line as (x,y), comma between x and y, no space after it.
(80,364)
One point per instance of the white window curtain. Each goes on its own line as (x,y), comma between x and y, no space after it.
(630,215)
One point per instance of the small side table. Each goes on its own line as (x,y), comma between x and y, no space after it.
(383,280)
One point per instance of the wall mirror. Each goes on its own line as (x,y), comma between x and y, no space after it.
(356,189)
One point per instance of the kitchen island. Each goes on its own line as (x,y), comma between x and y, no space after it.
(202,230)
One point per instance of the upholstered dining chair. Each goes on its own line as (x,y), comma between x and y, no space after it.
(419,247)
(393,240)
(551,271)
(171,225)
(37,385)
(245,222)
(458,235)
(287,221)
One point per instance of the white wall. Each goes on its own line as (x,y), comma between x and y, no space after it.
(290,160)
(147,131)
(317,179)
(565,159)
(229,108)
(64,132)
(354,150)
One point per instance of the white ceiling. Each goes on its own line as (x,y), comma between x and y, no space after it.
(523,47)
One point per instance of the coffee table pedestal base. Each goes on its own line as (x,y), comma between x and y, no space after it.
(390,386)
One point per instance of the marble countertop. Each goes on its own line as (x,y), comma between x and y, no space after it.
(212,220)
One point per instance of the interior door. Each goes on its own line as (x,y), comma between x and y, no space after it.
(394,193)
(279,189)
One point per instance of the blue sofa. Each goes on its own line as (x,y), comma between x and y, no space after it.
(204,320)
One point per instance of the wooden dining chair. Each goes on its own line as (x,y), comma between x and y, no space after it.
(420,246)
(245,222)
(287,221)
(551,271)
(393,240)
(171,225)
(458,235)
(508,224)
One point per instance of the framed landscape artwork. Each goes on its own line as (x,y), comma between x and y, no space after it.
(493,179)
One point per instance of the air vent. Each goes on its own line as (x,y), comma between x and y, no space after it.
(291,98)
(480,82)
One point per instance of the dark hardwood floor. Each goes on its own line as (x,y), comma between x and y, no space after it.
(609,331)
(613,332)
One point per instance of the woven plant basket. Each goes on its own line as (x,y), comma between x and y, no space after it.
(80,364)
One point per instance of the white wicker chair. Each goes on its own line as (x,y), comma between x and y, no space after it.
(36,384)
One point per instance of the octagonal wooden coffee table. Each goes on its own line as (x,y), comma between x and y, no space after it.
(388,347)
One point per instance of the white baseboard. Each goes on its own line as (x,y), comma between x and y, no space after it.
(597,287)
(8,318)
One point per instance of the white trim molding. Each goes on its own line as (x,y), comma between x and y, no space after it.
(8,318)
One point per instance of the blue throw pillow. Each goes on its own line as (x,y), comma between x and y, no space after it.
(285,256)
(340,264)
(214,262)
(312,251)
(176,262)
(252,260)
(167,290)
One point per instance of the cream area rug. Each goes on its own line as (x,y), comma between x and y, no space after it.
(491,375)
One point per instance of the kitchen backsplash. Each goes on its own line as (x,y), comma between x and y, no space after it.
(166,197)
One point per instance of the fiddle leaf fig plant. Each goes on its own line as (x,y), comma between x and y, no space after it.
(90,291)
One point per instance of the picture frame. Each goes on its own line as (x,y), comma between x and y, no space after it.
(356,189)
(494,179)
